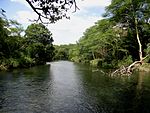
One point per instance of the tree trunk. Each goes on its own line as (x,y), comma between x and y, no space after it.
(139,42)
(93,55)
(128,70)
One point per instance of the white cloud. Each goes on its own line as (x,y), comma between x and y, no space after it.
(21,2)
(93,3)
(23,17)
(80,3)
(69,31)
(64,31)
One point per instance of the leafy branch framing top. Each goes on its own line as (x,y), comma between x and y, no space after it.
(52,10)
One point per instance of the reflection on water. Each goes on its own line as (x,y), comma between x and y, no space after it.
(66,87)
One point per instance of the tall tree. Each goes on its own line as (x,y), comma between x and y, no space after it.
(134,16)
(38,33)
(39,43)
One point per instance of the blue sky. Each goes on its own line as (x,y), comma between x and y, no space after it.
(12,7)
(64,31)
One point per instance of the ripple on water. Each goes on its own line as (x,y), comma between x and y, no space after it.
(66,87)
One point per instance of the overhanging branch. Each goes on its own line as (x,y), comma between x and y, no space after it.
(52,11)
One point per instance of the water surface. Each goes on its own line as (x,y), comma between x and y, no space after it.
(67,87)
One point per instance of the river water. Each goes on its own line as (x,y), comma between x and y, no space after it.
(67,87)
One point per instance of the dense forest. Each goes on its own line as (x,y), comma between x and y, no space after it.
(16,50)
(121,38)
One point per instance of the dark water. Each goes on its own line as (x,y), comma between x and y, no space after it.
(66,87)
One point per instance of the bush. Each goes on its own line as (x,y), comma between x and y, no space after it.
(148,53)
(96,62)
(13,62)
(125,61)
(76,59)
(26,61)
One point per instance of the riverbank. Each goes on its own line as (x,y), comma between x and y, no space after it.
(9,66)
(145,67)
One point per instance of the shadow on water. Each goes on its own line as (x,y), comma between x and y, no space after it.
(66,87)
(115,95)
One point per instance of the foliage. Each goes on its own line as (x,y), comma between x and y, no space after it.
(96,62)
(100,41)
(148,52)
(17,51)
(130,14)
(38,33)
(125,61)
(62,52)
(113,40)
(52,10)
(39,40)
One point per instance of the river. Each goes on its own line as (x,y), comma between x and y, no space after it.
(67,87)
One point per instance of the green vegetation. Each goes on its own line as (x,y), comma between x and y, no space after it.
(118,40)
(61,52)
(34,48)
(52,10)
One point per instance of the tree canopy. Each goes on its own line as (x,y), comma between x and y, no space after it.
(39,40)
(17,50)
(38,33)
(118,40)
(132,15)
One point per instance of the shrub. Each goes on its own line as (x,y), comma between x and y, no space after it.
(125,61)
(96,62)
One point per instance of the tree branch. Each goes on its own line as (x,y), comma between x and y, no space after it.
(52,10)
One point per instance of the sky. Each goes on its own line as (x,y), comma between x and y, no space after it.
(64,31)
